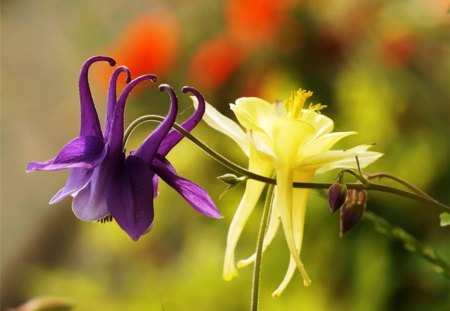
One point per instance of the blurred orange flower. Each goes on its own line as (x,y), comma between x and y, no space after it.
(255,22)
(149,44)
(214,62)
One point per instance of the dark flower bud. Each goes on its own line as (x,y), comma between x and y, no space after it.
(353,209)
(337,194)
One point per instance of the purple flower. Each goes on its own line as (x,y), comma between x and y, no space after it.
(103,180)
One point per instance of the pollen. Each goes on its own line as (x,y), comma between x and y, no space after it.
(295,103)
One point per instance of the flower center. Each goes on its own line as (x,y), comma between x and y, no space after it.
(294,105)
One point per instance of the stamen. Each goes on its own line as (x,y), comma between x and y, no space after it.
(106,219)
(317,107)
(295,103)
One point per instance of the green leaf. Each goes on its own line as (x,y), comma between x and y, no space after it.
(445,219)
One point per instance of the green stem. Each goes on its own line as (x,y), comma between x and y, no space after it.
(409,242)
(238,169)
(259,248)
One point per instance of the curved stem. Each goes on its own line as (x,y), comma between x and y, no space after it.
(259,248)
(354,174)
(239,169)
(399,180)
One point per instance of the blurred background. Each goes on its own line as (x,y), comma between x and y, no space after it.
(381,66)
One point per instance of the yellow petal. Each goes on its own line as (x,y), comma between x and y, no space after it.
(364,158)
(334,158)
(321,144)
(272,228)
(252,193)
(284,201)
(254,113)
(299,204)
(290,135)
(262,146)
(287,278)
(321,123)
(221,123)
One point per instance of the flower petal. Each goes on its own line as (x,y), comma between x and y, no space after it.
(82,152)
(364,158)
(299,203)
(90,202)
(149,147)
(225,125)
(299,134)
(248,202)
(129,196)
(115,139)
(90,125)
(191,192)
(339,159)
(321,123)
(174,137)
(287,278)
(78,178)
(254,113)
(284,195)
(272,228)
(112,97)
(322,143)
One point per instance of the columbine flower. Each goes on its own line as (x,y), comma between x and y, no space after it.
(294,143)
(103,180)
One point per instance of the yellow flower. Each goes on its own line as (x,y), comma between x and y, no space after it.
(294,143)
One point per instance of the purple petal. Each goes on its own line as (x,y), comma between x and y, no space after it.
(112,97)
(78,178)
(130,197)
(84,152)
(191,192)
(115,139)
(90,125)
(174,136)
(155,186)
(148,148)
(90,202)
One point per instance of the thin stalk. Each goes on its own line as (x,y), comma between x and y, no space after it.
(399,180)
(259,248)
(238,169)
(409,242)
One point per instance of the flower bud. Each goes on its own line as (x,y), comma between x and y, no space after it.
(337,194)
(353,209)
(232,179)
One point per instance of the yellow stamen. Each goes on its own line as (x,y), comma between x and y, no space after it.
(295,103)
(317,107)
